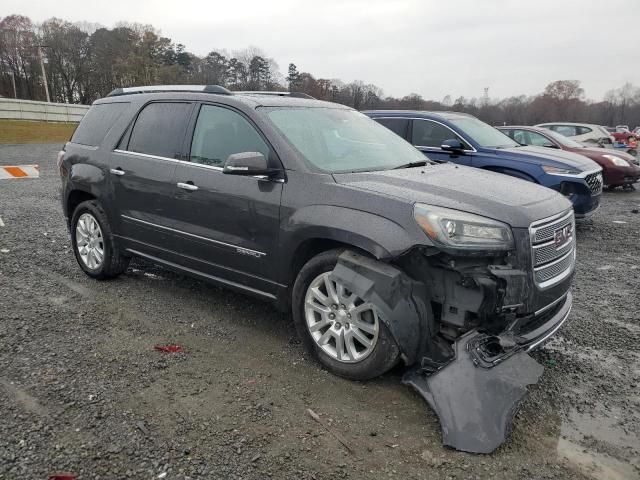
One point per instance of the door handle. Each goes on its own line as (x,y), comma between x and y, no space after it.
(187,186)
(117,171)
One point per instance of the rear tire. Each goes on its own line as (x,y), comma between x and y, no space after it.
(94,245)
(348,335)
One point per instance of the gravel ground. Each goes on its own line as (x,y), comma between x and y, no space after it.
(82,389)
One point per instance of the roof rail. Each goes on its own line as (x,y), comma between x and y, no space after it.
(170,88)
(277,94)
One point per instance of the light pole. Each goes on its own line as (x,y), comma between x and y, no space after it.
(44,75)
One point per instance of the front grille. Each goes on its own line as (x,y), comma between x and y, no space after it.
(549,272)
(594,180)
(553,249)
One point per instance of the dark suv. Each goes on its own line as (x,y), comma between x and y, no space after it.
(381,255)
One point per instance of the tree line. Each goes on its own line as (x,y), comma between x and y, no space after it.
(83,62)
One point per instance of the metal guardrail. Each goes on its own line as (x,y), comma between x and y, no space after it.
(12,109)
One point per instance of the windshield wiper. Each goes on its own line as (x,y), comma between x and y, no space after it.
(420,163)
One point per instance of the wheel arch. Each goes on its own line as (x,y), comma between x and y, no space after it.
(74,198)
(315,229)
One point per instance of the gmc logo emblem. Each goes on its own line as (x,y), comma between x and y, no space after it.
(563,235)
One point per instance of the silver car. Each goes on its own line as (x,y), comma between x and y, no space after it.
(581,132)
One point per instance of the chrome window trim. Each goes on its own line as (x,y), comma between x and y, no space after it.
(195,164)
(435,121)
(158,157)
(238,248)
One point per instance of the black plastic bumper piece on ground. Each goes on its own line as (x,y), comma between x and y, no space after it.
(476,405)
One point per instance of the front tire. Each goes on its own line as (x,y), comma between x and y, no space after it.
(93,243)
(340,330)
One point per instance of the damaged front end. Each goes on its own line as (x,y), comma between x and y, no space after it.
(464,325)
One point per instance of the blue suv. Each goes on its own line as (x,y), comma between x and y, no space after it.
(465,140)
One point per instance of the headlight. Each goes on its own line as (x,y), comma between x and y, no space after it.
(559,171)
(461,230)
(621,162)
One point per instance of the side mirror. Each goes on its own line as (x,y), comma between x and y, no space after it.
(248,164)
(453,146)
(550,145)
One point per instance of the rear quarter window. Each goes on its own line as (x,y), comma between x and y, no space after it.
(97,122)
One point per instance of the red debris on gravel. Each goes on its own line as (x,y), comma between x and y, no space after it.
(168,348)
(62,476)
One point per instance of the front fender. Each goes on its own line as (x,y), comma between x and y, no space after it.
(379,236)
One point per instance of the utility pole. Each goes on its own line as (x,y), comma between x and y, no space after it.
(13,82)
(44,75)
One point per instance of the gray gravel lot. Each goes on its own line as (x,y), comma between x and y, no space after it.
(82,389)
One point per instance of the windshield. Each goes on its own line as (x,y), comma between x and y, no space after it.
(481,133)
(337,140)
(562,140)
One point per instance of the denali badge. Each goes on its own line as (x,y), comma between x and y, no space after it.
(563,235)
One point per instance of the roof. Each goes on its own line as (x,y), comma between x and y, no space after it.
(419,113)
(525,127)
(207,92)
(577,124)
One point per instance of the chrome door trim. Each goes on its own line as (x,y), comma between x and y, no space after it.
(238,249)
(194,164)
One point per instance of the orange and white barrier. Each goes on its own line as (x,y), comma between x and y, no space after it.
(19,171)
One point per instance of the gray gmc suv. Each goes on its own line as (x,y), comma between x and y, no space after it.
(381,255)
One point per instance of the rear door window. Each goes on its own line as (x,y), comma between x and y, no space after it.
(159,129)
(400,126)
(97,122)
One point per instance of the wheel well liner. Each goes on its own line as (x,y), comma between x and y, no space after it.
(75,198)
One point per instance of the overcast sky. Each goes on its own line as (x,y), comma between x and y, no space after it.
(430,47)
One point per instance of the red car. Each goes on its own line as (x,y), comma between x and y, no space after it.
(619,169)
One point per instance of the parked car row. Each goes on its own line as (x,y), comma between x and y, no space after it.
(618,168)
(462,139)
(619,138)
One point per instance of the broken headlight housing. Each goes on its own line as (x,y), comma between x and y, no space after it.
(461,230)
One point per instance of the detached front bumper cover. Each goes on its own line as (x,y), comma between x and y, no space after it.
(475,405)
(476,393)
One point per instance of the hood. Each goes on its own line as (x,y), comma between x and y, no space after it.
(593,152)
(548,156)
(493,195)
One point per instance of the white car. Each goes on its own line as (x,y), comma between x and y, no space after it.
(581,132)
